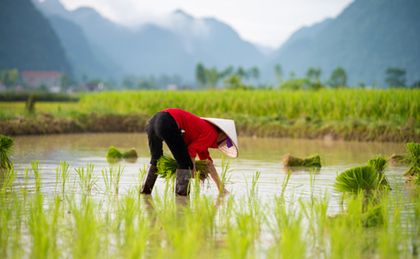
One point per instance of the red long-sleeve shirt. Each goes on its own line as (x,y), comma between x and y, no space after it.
(199,135)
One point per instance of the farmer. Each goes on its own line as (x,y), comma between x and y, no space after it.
(188,136)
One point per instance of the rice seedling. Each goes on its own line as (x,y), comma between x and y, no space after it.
(7,179)
(86,178)
(312,161)
(112,178)
(37,175)
(6,145)
(414,159)
(62,175)
(167,166)
(239,226)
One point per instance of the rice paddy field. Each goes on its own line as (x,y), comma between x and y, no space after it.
(350,114)
(62,199)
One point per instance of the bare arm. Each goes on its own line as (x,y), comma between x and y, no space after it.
(215,177)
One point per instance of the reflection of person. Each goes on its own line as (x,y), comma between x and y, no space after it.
(187,136)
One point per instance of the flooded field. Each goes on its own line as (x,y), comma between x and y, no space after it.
(261,155)
(264,208)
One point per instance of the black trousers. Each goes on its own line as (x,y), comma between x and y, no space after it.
(162,127)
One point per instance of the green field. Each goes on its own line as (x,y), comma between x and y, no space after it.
(360,114)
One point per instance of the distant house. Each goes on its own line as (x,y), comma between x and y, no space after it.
(94,86)
(36,79)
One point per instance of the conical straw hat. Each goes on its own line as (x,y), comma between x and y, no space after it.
(230,145)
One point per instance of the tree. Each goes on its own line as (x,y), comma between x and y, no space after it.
(212,76)
(10,77)
(254,72)
(200,74)
(338,77)
(314,75)
(234,82)
(278,72)
(295,84)
(65,82)
(395,76)
(226,72)
(314,78)
(241,73)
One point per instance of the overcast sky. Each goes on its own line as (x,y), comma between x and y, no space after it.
(266,22)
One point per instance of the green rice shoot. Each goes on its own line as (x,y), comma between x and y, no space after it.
(167,167)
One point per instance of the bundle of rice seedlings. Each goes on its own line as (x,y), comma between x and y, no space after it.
(362,178)
(167,167)
(114,155)
(6,144)
(414,160)
(130,154)
(291,161)
(379,164)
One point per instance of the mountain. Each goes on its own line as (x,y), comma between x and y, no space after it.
(85,61)
(172,46)
(365,39)
(28,40)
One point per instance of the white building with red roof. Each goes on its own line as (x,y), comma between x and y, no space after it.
(36,79)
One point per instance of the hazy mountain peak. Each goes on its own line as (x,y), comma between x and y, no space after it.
(362,39)
(182,13)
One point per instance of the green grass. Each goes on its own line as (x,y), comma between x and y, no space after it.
(392,114)
(57,224)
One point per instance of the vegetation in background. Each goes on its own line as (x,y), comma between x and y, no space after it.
(395,77)
(350,114)
(210,77)
(338,78)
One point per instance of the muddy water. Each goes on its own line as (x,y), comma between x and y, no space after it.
(256,155)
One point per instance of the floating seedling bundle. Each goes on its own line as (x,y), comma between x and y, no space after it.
(292,161)
(167,167)
(114,155)
(6,144)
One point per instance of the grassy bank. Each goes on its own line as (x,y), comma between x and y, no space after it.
(87,215)
(350,114)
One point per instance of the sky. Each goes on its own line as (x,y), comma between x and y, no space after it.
(264,22)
